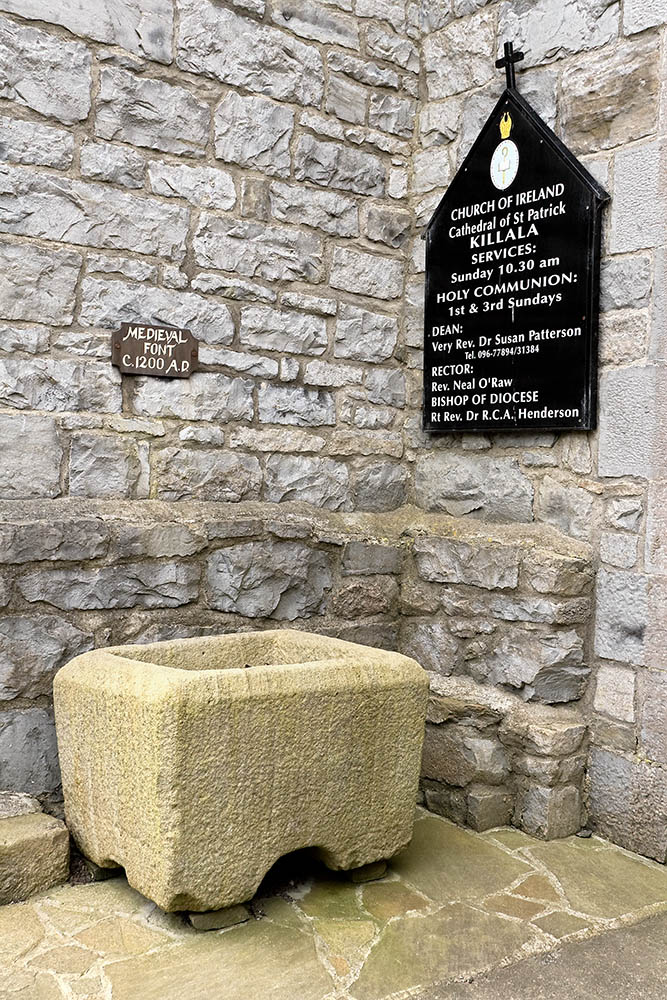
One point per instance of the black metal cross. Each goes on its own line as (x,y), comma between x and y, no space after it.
(507,63)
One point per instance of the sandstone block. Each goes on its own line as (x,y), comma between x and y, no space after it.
(381,486)
(615,692)
(51,207)
(362,335)
(141,27)
(270,329)
(188,474)
(150,113)
(28,752)
(105,465)
(488,807)
(318,712)
(34,855)
(478,563)
(37,284)
(107,303)
(205,396)
(627,400)
(237,50)
(491,488)
(205,187)
(256,250)
(624,337)
(44,73)
(104,162)
(320,24)
(446,73)
(148,584)
(33,648)
(548,813)
(31,457)
(331,164)
(319,481)
(254,132)
(622,616)
(611,98)
(282,404)
(551,29)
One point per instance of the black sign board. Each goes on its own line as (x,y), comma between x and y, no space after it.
(512,284)
(149,349)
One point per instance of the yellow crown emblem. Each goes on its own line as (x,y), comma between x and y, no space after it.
(505,126)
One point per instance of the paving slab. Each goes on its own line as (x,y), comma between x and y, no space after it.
(455,910)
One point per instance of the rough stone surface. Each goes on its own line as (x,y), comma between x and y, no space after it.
(37,284)
(615,692)
(104,162)
(33,648)
(551,29)
(446,73)
(622,612)
(364,336)
(546,667)
(627,802)
(449,560)
(146,585)
(59,385)
(377,700)
(494,489)
(319,481)
(274,330)
(555,809)
(332,165)
(30,142)
(102,465)
(44,73)
(256,250)
(205,396)
(28,754)
(144,28)
(293,405)
(34,855)
(284,580)
(31,457)
(254,132)
(357,271)
(236,50)
(150,113)
(185,474)
(326,210)
(202,186)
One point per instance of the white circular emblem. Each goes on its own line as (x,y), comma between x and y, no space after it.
(504,164)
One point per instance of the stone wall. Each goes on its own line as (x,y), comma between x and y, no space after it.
(261,172)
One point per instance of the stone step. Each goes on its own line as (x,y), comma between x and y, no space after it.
(34,848)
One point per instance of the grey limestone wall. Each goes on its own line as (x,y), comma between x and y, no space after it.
(261,172)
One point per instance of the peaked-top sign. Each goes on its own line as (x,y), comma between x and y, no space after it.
(512,282)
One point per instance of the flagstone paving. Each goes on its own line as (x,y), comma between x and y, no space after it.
(454,905)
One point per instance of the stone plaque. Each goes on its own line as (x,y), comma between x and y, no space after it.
(512,284)
(149,349)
